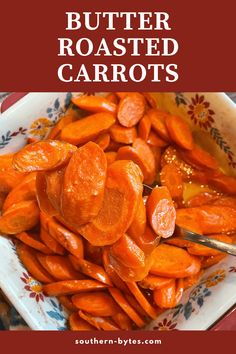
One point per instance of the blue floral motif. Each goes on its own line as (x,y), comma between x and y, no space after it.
(57,314)
(180,99)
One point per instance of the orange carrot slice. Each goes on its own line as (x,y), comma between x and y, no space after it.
(32,242)
(199,158)
(100,323)
(171,178)
(63,122)
(67,303)
(158,123)
(179,132)
(131,109)
(122,134)
(154,140)
(96,304)
(78,324)
(111,157)
(103,141)
(94,104)
(138,226)
(144,127)
(153,282)
(70,287)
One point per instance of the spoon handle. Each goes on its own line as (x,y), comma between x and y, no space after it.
(208,242)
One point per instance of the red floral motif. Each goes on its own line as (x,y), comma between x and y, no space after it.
(33,286)
(166,325)
(232,269)
(200,112)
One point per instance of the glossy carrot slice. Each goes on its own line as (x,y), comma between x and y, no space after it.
(173,262)
(122,194)
(224,201)
(150,99)
(43,155)
(142,155)
(63,122)
(96,304)
(90,269)
(42,197)
(103,141)
(213,219)
(128,253)
(154,140)
(158,118)
(172,156)
(70,287)
(172,179)
(161,212)
(78,324)
(200,250)
(2,199)
(144,127)
(112,97)
(147,307)
(58,266)
(19,217)
(165,297)
(83,185)
(199,158)
(223,183)
(192,280)
(202,199)
(88,128)
(9,180)
(123,321)
(54,183)
(100,323)
(122,94)
(134,303)
(179,242)
(126,307)
(68,239)
(138,226)
(131,109)
(25,190)
(32,242)
(111,157)
(67,303)
(28,257)
(210,261)
(148,241)
(179,132)
(93,253)
(123,135)
(153,282)
(94,104)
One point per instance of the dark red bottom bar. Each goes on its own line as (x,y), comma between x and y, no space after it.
(188,342)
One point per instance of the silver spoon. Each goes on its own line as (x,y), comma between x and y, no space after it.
(200,239)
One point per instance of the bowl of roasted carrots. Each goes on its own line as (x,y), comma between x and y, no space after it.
(92,189)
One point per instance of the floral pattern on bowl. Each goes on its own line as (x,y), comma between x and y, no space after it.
(212,116)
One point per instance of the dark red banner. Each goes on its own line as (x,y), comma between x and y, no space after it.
(121,45)
(107,342)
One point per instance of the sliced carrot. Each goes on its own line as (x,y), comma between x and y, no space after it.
(131,109)
(58,266)
(78,324)
(150,99)
(122,94)
(96,304)
(200,250)
(157,156)
(126,307)
(123,135)
(158,118)
(179,242)
(144,127)
(161,212)
(154,140)
(171,156)
(32,242)
(210,261)
(2,199)
(6,162)
(225,201)
(123,321)
(103,141)
(28,258)
(94,104)
(142,155)
(100,323)
(173,262)
(138,226)
(9,180)
(112,97)
(202,199)
(69,240)
(67,303)
(189,221)
(143,302)
(165,296)
(171,178)
(93,253)
(31,140)
(179,132)
(192,280)
(43,155)
(90,269)
(83,185)
(19,217)
(88,128)
(25,190)
(134,303)
(113,146)
(111,157)
(41,195)
(223,183)
(122,194)
(153,282)
(148,241)
(213,219)
(128,253)
(199,158)
(63,122)
(54,183)
(70,287)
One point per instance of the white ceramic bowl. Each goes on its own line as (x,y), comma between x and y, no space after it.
(213,118)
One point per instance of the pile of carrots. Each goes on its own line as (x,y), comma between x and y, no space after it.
(86,225)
